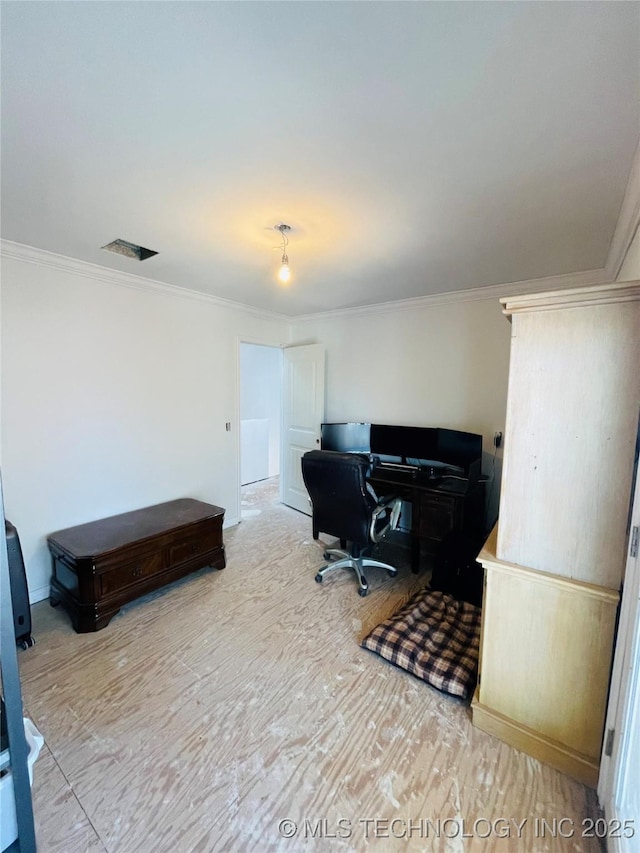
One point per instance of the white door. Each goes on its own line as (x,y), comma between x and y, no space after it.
(303,411)
(619,783)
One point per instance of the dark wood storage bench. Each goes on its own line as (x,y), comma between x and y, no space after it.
(99,566)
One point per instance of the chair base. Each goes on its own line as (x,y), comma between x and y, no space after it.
(346,561)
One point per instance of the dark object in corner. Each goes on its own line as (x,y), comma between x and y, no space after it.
(457,572)
(19,588)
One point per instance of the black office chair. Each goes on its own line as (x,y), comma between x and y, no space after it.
(345,506)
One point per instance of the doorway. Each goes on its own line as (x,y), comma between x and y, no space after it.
(260,420)
(280,410)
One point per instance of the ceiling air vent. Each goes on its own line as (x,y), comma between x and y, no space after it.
(129,250)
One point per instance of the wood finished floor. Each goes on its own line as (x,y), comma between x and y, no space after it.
(208,712)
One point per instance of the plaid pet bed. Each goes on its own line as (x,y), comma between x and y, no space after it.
(435,637)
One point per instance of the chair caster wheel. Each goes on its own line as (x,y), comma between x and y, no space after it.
(326,556)
(318,578)
(364,590)
(391,573)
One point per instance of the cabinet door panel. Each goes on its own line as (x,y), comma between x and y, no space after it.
(572,420)
(437,516)
(546,655)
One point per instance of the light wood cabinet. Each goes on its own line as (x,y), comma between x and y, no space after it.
(553,566)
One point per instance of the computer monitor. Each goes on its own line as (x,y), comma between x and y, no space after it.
(406,443)
(345,438)
(429,447)
(463,449)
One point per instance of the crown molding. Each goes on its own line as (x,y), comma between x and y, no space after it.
(491,291)
(628,221)
(73,266)
(577,297)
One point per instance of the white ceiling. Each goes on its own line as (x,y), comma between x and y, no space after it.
(414,148)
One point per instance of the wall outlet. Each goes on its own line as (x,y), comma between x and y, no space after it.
(497,440)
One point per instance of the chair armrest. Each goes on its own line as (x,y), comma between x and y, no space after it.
(384,504)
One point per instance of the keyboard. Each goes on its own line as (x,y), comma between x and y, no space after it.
(408,475)
(393,472)
(395,466)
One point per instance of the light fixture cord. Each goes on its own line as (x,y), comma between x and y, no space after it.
(285,242)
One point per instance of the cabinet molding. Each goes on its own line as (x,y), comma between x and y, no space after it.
(575,297)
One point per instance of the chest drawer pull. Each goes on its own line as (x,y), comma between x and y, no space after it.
(119,578)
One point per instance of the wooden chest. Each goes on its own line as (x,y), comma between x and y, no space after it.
(99,566)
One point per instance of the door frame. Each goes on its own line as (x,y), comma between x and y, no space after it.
(623,707)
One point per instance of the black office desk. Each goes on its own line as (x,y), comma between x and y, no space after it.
(443,512)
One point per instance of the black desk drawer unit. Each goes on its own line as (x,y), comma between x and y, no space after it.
(439,516)
(443,513)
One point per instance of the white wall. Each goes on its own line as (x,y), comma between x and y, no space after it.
(440,365)
(260,393)
(113,399)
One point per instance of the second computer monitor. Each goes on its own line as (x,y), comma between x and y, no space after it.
(346,438)
(404,442)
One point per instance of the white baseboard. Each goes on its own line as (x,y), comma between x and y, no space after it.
(38,594)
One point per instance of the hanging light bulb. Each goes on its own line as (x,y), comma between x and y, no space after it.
(284,273)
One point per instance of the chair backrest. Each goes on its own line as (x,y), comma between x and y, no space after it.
(342,504)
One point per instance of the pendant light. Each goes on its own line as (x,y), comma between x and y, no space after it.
(284,273)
